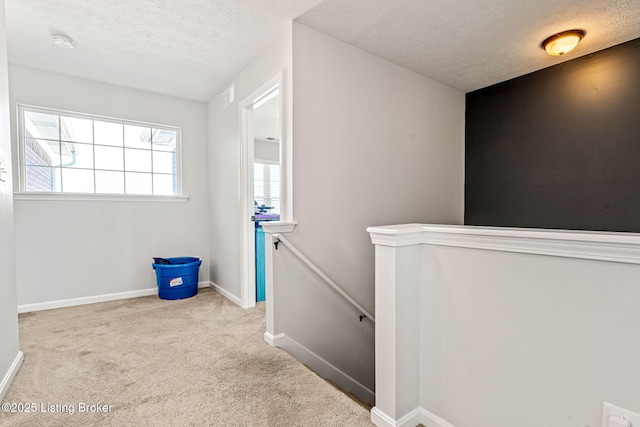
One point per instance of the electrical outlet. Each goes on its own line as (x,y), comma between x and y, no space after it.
(610,410)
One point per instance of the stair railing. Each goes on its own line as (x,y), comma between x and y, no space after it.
(280,239)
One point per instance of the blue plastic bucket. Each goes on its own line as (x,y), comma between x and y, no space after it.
(179,279)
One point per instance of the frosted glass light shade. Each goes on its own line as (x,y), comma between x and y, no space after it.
(564,42)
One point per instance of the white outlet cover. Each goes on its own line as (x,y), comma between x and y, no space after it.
(608,410)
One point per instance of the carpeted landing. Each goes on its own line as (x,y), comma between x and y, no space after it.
(195,362)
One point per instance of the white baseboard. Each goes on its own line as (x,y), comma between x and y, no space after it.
(225,293)
(26,308)
(10,375)
(412,419)
(430,419)
(206,284)
(272,340)
(380,419)
(323,368)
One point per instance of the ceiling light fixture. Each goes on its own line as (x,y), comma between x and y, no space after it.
(564,42)
(63,41)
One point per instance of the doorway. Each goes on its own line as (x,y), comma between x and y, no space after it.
(261,180)
(266,178)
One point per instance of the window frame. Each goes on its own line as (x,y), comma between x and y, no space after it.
(23,194)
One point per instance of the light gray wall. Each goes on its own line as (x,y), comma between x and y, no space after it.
(8,311)
(224,158)
(540,340)
(266,150)
(374,143)
(73,249)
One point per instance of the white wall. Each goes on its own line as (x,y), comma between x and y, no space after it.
(266,150)
(373,143)
(523,327)
(73,249)
(224,158)
(536,339)
(8,311)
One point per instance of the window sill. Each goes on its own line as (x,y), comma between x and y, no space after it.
(33,196)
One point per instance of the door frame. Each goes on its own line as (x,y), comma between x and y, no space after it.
(248,256)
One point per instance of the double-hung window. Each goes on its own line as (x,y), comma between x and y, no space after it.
(63,152)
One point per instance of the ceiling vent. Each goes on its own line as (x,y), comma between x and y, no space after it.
(228,96)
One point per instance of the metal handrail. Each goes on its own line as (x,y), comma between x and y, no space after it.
(365,314)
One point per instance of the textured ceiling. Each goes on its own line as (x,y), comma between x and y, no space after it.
(470,44)
(192,48)
(185,48)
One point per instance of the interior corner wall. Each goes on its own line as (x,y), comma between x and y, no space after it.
(75,249)
(8,310)
(374,144)
(225,208)
(558,148)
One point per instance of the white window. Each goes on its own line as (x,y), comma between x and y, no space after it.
(266,186)
(62,152)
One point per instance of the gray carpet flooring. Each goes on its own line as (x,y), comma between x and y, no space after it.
(195,362)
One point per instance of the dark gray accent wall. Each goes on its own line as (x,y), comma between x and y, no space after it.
(558,148)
